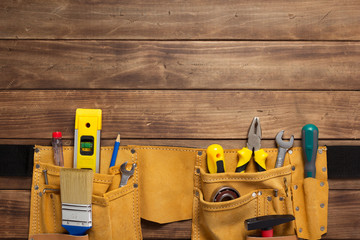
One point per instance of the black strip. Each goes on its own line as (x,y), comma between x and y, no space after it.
(343,162)
(16,160)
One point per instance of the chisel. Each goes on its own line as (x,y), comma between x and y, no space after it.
(310,137)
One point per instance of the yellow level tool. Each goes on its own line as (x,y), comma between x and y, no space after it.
(87,139)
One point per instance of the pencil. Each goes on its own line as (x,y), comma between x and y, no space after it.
(115,151)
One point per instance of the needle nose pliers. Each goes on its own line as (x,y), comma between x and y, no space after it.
(253,149)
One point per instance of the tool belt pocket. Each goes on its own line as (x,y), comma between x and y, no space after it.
(262,193)
(115,211)
(276,191)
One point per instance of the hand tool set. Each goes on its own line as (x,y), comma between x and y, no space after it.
(252,192)
(216,165)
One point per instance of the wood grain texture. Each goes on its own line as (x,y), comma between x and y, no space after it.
(15,213)
(345,205)
(190,143)
(199,19)
(179,65)
(181,114)
(15,183)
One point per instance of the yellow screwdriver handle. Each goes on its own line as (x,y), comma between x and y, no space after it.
(215,159)
(260,158)
(244,158)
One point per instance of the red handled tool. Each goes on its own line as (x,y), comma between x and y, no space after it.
(267,223)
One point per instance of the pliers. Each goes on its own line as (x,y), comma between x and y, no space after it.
(253,148)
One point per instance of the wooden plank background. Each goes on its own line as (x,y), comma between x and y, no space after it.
(180,73)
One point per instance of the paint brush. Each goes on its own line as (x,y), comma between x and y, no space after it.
(76,193)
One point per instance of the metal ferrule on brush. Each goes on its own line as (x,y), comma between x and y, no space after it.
(76,215)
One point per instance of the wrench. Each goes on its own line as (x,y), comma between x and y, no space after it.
(125,174)
(283,147)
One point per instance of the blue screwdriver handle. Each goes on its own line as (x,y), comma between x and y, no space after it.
(310,138)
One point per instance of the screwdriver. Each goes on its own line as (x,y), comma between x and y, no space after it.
(215,158)
(310,137)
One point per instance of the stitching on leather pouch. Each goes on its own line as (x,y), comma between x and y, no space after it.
(168,149)
(256,207)
(37,199)
(256,178)
(197,224)
(134,200)
(230,206)
(53,203)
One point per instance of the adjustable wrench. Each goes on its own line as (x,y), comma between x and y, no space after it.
(125,174)
(283,147)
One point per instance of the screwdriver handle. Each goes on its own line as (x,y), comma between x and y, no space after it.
(260,158)
(244,158)
(215,159)
(310,138)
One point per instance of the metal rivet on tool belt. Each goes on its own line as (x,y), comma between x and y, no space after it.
(40,194)
(259,193)
(300,229)
(133,151)
(293,168)
(324,169)
(290,152)
(295,187)
(320,151)
(198,170)
(269,198)
(37,166)
(37,150)
(36,187)
(322,184)
(199,153)
(297,208)
(322,205)
(135,185)
(322,228)
(254,194)
(197,193)
(281,198)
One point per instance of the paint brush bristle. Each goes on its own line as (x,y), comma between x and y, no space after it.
(76,193)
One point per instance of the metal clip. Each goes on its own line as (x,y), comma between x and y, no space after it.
(50,190)
(45,176)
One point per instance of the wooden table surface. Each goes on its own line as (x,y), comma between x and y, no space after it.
(180,73)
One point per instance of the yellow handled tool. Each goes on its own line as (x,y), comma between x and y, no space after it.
(215,159)
(87,139)
(253,147)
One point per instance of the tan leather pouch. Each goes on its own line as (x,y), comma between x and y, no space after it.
(277,191)
(172,184)
(115,211)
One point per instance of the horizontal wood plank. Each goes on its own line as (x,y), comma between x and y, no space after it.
(15,213)
(181,114)
(141,19)
(179,65)
(15,183)
(344,205)
(190,143)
